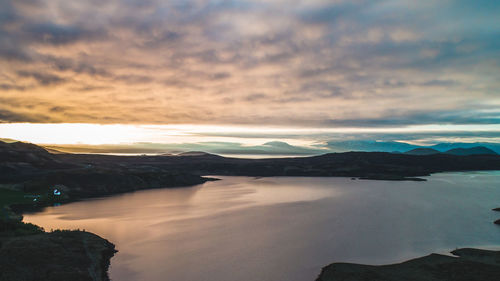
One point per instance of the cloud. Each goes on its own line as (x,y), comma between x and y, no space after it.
(255,97)
(301,63)
(7,87)
(8,116)
(331,13)
(41,78)
(51,33)
(397,119)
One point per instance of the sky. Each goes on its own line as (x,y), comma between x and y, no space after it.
(249,72)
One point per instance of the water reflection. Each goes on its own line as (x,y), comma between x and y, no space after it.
(243,228)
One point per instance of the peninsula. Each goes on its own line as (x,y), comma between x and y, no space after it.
(465,265)
(31,168)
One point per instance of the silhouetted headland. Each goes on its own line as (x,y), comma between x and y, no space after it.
(467,265)
(29,253)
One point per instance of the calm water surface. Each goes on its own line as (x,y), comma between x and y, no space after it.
(242,228)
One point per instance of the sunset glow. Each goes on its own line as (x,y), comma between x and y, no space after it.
(95,134)
(249,140)
(249,72)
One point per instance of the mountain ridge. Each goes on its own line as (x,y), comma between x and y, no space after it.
(476,150)
(422,151)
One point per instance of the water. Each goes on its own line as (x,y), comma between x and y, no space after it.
(284,228)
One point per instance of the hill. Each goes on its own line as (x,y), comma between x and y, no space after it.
(477,150)
(391,146)
(448,146)
(422,151)
(33,169)
(30,168)
(466,264)
(195,153)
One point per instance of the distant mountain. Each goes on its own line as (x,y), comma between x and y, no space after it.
(395,146)
(448,146)
(271,149)
(369,146)
(194,153)
(422,151)
(477,150)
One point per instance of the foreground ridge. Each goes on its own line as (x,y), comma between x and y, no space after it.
(29,253)
(468,265)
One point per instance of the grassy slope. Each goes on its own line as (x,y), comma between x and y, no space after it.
(9,197)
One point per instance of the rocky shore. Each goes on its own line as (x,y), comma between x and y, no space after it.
(29,253)
(466,265)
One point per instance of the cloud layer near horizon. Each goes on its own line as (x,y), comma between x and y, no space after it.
(292,63)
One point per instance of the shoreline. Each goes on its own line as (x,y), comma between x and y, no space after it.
(26,208)
(28,252)
(464,264)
